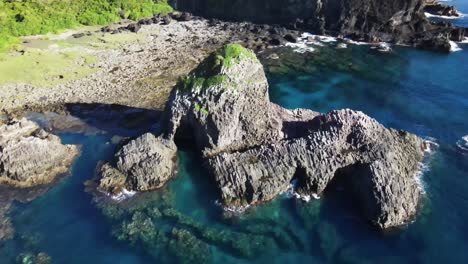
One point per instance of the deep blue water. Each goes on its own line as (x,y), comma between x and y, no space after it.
(422,92)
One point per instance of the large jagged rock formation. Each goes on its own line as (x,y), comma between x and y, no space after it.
(30,156)
(396,21)
(255,149)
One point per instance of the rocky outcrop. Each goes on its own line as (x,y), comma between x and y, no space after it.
(30,156)
(396,21)
(434,8)
(255,149)
(379,164)
(144,164)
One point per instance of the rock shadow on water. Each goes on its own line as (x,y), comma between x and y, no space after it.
(96,118)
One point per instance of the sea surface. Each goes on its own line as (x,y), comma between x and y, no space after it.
(423,92)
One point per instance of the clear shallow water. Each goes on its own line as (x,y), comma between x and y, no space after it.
(423,92)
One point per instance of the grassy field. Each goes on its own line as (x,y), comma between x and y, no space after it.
(31,17)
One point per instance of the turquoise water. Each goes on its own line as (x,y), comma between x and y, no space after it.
(423,92)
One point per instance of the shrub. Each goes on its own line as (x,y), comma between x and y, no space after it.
(31,17)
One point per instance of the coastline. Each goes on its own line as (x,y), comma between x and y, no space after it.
(134,73)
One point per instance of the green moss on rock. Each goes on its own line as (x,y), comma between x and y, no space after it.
(231,54)
(210,72)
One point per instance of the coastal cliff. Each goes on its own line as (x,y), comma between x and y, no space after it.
(397,21)
(254,149)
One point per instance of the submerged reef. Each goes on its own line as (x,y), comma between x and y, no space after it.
(151,221)
(255,149)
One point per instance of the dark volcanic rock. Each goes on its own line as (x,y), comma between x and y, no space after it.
(438,9)
(30,156)
(166,20)
(276,40)
(290,38)
(181,16)
(396,21)
(134,27)
(255,149)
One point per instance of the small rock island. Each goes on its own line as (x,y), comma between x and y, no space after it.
(254,149)
(30,156)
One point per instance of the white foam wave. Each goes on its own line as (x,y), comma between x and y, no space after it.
(463,143)
(460,15)
(341,46)
(232,209)
(418,177)
(465,40)
(350,41)
(125,194)
(454,47)
(382,47)
(291,193)
(300,47)
(430,146)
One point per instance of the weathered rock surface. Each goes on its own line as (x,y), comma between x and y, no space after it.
(435,8)
(380,164)
(255,149)
(30,156)
(396,21)
(144,164)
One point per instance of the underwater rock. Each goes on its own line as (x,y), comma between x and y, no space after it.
(144,164)
(30,156)
(6,227)
(255,149)
(29,258)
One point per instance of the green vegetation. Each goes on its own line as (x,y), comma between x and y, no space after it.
(231,54)
(208,74)
(188,84)
(31,17)
(44,68)
(200,109)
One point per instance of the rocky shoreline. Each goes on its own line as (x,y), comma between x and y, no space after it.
(439,9)
(242,136)
(254,149)
(31,160)
(399,22)
(142,73)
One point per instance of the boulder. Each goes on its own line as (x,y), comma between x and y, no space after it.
(290,38)
(144,164)
(30,156)
(134,27)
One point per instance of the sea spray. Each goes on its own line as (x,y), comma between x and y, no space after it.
(125,194)
(454,47)
(463,143)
